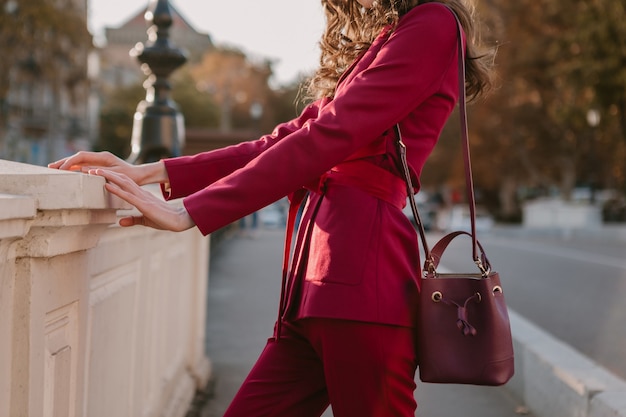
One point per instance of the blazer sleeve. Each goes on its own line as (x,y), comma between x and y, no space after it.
(189,174)
(409,68)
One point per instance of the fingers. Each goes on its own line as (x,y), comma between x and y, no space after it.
(83,161)
(123,187)
(133,221)
(142,203)
(126,189)
(155,213)
(108,174)
(67,163)
(58,164)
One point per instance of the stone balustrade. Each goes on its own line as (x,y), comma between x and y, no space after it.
(95,319)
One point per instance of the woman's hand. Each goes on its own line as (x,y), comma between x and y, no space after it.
(156,213)
(86,161)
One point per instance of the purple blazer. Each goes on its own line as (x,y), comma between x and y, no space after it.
(363,261)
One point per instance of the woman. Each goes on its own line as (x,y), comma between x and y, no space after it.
(345,330)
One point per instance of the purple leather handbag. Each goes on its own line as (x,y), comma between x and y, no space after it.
(463,330)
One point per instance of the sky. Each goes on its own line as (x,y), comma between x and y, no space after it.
(285,30)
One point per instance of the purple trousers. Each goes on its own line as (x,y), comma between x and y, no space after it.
(360,369)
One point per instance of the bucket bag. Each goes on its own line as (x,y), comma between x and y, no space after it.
(463,330)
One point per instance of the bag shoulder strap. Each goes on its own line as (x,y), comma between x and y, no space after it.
(469,183)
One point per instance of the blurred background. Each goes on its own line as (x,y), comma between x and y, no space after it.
(551,136)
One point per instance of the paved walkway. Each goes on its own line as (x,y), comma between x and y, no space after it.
(244,286)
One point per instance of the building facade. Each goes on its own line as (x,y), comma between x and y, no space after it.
(119,69)
(47,101)
(51,91)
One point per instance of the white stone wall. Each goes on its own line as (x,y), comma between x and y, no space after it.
(95,319)
(559,214)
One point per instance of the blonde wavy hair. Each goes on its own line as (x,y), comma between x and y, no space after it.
(351,28)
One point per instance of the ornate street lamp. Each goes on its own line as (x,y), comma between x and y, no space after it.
(158,126)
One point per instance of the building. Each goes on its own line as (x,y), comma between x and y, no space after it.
(119,69)
(45,87)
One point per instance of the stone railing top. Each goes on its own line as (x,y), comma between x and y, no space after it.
(16,207)
(52,189)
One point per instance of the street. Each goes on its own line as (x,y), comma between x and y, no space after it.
(244,285)
(571,287)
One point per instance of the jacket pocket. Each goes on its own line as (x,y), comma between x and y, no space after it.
(341,243)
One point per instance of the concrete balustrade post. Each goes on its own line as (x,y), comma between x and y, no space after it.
(96,320)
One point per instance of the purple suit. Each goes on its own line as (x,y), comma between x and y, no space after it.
(363,260)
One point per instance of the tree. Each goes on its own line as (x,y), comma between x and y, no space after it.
(51,38)
(287,102)
(226,77)
(556,61)
(116,120)
(116,116)
(603,28)
(43,77)
(198,108)
(239,86)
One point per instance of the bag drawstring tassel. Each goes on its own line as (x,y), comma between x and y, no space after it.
(462,321)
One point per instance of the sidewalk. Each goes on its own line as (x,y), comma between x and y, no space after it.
(244,286)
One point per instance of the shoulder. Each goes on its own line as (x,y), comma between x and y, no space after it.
(433,17)
(431,22)
(432,9)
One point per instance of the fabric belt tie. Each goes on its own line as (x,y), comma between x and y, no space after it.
(367,177)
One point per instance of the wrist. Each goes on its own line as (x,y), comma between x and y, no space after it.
(151,173)
(186,220)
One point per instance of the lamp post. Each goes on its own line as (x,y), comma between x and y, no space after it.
(593,119)
(158,125)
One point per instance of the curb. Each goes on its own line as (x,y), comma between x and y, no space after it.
(554,380)
(610,232)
